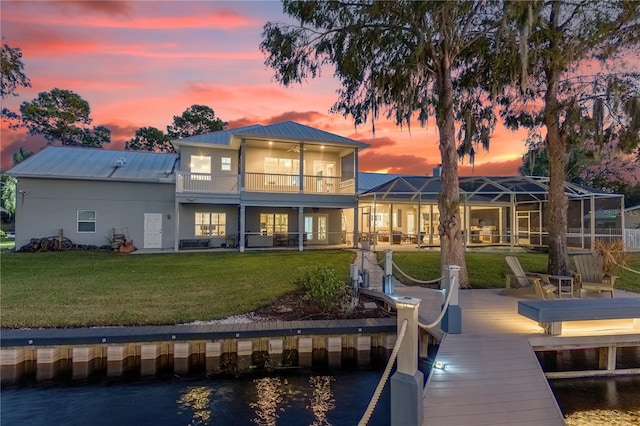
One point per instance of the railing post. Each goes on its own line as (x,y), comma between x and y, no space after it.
(407,381)
(452,320)
(387,280)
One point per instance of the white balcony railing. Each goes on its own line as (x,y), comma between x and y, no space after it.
(207,183)
(262,182)
(270,182)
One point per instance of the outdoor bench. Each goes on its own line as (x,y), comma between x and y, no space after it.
(194,244)
(552,313)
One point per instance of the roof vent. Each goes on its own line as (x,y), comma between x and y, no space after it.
(120,163)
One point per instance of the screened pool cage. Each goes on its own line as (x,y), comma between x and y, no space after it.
(498,211)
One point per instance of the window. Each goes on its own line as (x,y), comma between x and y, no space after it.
(200,164)
(210,224)
(274,223)
(225,164)
(86,220)
(282,166)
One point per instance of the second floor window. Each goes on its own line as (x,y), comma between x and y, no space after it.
(200,164)
(225,164)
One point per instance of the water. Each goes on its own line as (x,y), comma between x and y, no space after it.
(290,399)
(602,401)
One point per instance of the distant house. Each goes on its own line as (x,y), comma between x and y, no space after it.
(632,228)
(284,184)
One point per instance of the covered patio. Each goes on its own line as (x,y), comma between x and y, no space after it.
(498,211)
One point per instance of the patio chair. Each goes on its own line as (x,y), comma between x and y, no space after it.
(520,278)
(544,291)
(590,276)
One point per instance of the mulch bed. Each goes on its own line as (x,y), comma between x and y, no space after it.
(292,307)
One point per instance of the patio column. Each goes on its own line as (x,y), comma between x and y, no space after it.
(243,166)
(622,231)
(514,222)
(301,187)
(592,223)
(300,228)
(356,224)
(242,228)
(176,226)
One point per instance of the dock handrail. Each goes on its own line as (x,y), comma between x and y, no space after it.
(385,376)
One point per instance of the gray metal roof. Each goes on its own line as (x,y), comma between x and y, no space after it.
(222,137)
(288,131)
(368,180)
(480,188)
(99,164)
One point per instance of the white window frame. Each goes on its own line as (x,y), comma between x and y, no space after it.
(86,221)
(274,223)
(225,164)
(213,224)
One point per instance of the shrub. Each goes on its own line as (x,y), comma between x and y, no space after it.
(613,254)
(323,286)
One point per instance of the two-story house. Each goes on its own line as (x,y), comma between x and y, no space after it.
(284,184)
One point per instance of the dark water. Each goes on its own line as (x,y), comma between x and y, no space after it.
(605,401)
(599,401)
(291,399)
(294,398)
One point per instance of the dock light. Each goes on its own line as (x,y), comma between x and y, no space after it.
(439,365)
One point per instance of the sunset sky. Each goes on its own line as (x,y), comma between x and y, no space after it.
(140,63)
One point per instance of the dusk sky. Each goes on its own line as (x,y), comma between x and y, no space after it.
(140,63)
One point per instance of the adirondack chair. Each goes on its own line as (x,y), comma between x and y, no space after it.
(544,291)
(520,278)
(589,275)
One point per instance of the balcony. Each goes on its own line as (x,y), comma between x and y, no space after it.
(207,183)
(262,182)
(279,183)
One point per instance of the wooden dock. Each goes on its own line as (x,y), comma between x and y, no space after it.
(491,374)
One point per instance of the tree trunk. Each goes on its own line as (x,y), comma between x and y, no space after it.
(451,243)
(556,214)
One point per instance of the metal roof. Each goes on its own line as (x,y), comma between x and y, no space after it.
(479,188)
(222,137)
(368,180)
(98,164)
(288,131)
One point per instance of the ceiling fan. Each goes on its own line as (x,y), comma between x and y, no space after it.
(295,149)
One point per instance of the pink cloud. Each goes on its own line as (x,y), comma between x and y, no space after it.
(224,19)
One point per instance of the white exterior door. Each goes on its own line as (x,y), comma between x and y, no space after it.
(316,228)
(153,230)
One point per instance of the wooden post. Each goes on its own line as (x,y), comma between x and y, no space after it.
(406,382)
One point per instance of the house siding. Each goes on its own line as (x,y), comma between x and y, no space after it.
(52,204)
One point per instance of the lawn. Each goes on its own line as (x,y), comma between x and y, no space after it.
(488,270)
(81,288)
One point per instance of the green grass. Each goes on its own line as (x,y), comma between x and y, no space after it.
(488,270)
(6,244)
(71,289)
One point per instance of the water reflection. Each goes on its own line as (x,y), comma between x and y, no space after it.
(599,401)
(197,399)
(269,396)
(322,400)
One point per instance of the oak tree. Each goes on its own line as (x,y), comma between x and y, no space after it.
(195,120)
(62,116)
(150,139)
(569,58)
(407,60)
